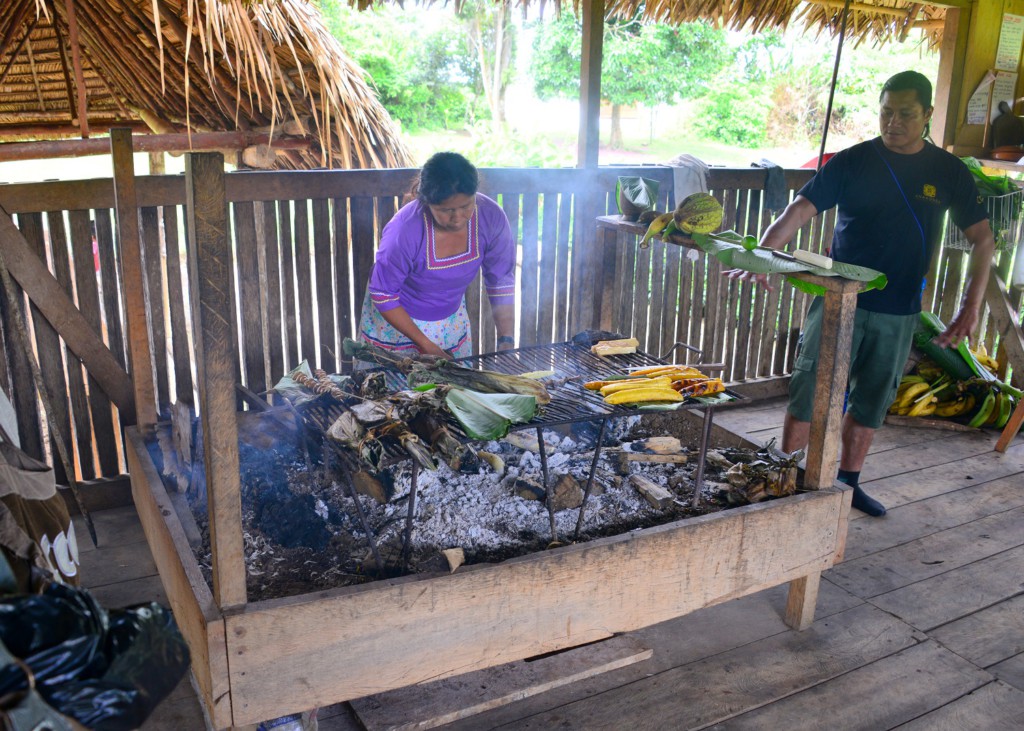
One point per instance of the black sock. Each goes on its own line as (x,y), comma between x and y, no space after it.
(849,477)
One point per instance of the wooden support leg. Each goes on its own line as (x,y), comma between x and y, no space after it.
(803,596)
(1011,428)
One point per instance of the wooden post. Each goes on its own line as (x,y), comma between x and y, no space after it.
(210,279)
(589,138)
(840,307)
(833,371)
(140,348)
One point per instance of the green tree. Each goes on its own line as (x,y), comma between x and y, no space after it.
(641,63)
(493,38)
(426,74)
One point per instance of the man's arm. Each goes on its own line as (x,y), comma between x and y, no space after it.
(983,246)
(779,233)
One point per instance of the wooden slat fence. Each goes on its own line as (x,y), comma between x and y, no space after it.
(304,244)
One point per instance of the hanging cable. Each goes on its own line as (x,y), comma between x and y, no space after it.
(832,89)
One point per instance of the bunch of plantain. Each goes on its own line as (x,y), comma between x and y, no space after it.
(995,410)
(981,355)
(917,397)
(653,384)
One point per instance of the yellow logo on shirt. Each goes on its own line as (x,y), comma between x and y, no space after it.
(929,191)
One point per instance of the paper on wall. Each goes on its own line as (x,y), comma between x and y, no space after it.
(1010,35)
(1003,89)
(978,107)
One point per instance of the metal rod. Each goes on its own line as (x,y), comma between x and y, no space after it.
(370,537)
(547,492)
(407,542)
(590,478)
(832,87)
(705,437)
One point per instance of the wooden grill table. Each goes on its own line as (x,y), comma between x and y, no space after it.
(258,660)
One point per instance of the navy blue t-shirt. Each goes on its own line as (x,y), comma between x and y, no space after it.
(874,224)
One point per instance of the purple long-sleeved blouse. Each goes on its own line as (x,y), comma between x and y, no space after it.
(408,272)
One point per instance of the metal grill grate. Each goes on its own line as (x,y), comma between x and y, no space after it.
(573,365)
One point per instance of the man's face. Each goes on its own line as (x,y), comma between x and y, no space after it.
(902,120)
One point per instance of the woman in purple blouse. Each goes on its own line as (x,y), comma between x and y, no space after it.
(429,254)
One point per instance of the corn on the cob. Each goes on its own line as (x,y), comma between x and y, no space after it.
(643,396)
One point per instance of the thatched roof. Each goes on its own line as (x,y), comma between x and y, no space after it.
(269,66)
(873,21)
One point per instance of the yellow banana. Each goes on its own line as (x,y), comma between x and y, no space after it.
(924,407)
(911,393)
(635,383)
(656,227)
(643,396)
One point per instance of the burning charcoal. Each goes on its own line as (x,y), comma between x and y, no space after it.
(527,489)
(468,462)
(291,520)
(566,493)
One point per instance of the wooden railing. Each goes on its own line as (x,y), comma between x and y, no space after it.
(304,244)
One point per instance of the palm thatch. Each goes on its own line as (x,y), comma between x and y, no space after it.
(78,68)
(878,21)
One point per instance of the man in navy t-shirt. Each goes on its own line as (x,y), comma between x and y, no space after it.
(892,193)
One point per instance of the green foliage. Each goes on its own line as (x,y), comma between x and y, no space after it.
(425,73)
(734,114)
(516,150)
(643,63)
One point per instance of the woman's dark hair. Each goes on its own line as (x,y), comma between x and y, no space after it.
(445,174)
(915,82)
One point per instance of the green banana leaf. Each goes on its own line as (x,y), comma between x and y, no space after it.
(641,192)
(732,250)
(489,415)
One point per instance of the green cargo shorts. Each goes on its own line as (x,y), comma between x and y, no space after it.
(881,344)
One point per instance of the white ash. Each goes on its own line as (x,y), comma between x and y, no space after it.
(481,512)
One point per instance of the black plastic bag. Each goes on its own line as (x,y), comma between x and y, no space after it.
(107,670)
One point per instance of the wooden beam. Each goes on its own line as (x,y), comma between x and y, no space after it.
(210,276)
(76,65)
(63,60)
(205,141)
(589,140)
(16,51)
(950,79)
(140,350)
(1003,316)
(35,76)
(18,19)
(833,370)
(51,300)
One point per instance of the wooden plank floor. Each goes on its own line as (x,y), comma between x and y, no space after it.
(921,627)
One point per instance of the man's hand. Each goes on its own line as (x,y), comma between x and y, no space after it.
(744,276)
(961,327)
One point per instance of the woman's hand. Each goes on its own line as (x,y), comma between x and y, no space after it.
(744,276)
(432,348)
